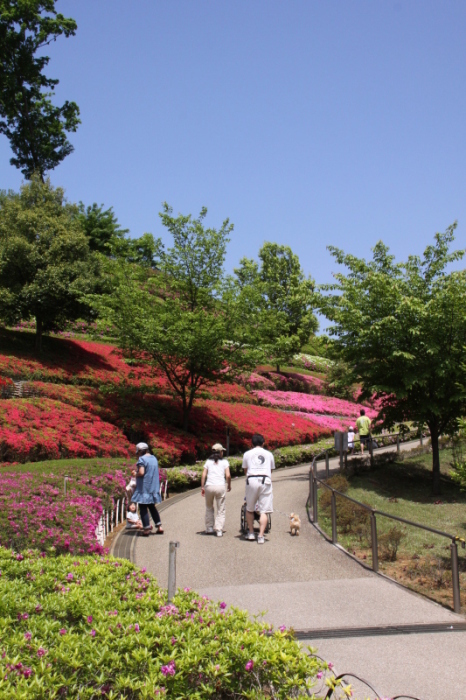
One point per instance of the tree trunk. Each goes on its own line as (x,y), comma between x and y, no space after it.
(278,368)
(436,486)
(39,330)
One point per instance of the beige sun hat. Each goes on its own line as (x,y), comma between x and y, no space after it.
(218,447)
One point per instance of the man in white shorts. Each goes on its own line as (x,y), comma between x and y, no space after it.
(258,464)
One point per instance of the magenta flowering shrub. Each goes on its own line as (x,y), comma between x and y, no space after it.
(329,424)
(309,403)
(95,627)
(35,512)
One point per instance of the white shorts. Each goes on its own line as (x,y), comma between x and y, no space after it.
(259,493)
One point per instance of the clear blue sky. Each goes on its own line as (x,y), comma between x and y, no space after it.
(305,122)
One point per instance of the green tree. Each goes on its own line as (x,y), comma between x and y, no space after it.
(285,300)
(186,316)
(35,127)
(401,328)
(106,237)
(45,262)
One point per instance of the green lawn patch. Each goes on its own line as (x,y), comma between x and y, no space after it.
(404,488)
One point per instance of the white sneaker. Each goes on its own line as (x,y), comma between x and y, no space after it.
(250,536)
(219,533)
(209,530)
(260,540)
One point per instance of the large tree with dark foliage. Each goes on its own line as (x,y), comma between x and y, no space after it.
(36,128)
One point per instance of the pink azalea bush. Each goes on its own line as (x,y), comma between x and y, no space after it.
(35,512)
(309,403)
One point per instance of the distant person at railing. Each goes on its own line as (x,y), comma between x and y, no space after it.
(147,492)
(363,425)
(351,440)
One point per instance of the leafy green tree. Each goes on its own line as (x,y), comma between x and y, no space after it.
(401,328)
(285,300)
(106,237)
(36,128)
(186,316)
(45,262)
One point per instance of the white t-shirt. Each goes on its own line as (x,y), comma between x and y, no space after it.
(216,472)
(131,518)
(258,461)
(350,439)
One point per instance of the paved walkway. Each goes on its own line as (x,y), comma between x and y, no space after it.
(310,585)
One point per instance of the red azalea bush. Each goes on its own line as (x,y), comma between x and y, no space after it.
(37,429)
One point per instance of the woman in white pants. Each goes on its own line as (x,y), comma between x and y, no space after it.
(216,471)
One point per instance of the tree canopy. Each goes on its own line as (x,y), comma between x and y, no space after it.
(285,300)
(185,317)
(36,128)
(45,262)
(401,329)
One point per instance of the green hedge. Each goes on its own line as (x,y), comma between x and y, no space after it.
(92,628)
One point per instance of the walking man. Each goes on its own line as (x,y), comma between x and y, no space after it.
(258,464)
(363,424)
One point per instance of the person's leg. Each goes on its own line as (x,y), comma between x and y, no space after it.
(252,490)
(361,440)
(250,522)
(262,524)
(155,515)
(144,511)
(220,499)
(209,508)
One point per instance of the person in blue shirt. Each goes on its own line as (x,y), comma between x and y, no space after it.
(147,491)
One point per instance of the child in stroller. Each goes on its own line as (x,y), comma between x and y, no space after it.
(244,524)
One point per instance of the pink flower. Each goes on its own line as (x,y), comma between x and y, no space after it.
(223,605)
(70,577)
(282,628)
(320,674)
(136,627)
(169,669)
(41,651)
(250,665)
(27,672)
(27,636)
(92,633)
(89,619)
(62,631)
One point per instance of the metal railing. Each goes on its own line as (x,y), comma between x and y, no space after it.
(313,516)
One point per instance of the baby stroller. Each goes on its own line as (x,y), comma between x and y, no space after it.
(244,524)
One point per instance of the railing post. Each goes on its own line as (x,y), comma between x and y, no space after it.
(327,464)
(334,518)
(371,451)
(315,509)
(398,449)
(172,547)
(455,577)
(311,492)
(375,544)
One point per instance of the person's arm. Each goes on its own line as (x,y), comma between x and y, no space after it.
(203,478)
(228,478)
(141,471)
(245,467)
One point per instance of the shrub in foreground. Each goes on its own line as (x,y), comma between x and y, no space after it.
(93,628)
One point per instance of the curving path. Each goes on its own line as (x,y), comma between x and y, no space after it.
(304,582)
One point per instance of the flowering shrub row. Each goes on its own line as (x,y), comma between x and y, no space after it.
(87,628)
(35,512)
(37,429)
(309,403)
(329,424)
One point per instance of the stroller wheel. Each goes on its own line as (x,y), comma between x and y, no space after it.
(244,525)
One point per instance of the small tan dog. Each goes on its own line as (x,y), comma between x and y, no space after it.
(295,524)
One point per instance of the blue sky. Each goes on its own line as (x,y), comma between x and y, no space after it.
(305,122)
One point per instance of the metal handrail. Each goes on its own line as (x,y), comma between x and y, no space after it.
(312,503)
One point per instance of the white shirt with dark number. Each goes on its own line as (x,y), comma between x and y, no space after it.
(258,461)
